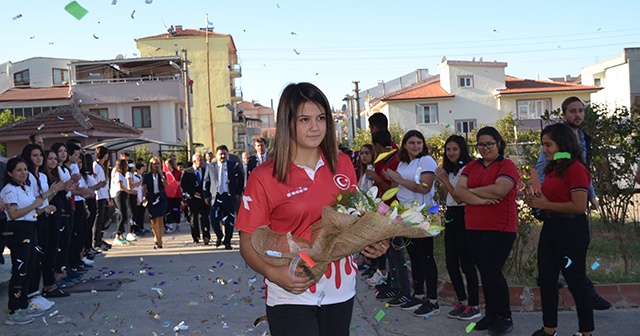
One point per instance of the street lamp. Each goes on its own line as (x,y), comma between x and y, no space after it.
(185,81)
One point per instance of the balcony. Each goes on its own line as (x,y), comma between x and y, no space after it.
(236,94)
(119,90)
(235,71)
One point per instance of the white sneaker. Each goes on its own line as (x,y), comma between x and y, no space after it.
(20,316)
(377,279)
(131,237)
(44,303)
(120,241)
(87,261)
(35,310)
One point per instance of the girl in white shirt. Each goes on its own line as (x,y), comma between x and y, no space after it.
(47,239)
(367,157)
(456,248)
(415,177)
(21,207)
(120,193)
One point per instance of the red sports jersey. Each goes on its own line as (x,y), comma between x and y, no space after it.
(292,207)
(559,189)
(498,217)
(390,162)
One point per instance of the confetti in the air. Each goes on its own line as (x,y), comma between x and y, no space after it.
(95,37)
(17,17)
(76,10)
(132,13)
(295,51)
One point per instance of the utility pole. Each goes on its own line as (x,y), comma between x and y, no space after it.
(185,81)
(356,97)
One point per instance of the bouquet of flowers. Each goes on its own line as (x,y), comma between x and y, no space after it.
(357,219)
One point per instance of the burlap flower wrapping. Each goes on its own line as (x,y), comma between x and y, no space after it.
(334,237)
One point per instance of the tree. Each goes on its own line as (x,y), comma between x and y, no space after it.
(6,118)
(615,149)
(363,136)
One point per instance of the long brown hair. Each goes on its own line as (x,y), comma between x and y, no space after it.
(292,98)
(363,167)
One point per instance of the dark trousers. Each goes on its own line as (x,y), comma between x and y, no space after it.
(66,230)
(77,238)
(423,267)
(489,250)
(326,320)
(173,210)
(563,248)
(380,262)
(141,210)
(199,219)
(51,251)
(458,256)
(88,224)
(21,240)
(398,276)
(122,203)
(98,223)
(224,215)
(41,247)
(133,212)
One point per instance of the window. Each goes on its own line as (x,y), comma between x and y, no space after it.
(141,116)
(264,119)
(597,81)
(465,126)
(21,78)
(427,114)
(60,76)
(181,118)
(533,109)
(103,112)
(465,81)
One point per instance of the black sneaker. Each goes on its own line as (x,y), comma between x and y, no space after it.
(599,303)
(456,311)
(541,332)
(54,293)
(386,294)
(427,309)
(412,304)
(399,300)
(501,326)
(485,322)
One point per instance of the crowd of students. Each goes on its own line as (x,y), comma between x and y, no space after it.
(481,222)
(56,200)
(54,210)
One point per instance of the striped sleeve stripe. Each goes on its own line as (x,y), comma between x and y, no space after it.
(580,189)
(507,177)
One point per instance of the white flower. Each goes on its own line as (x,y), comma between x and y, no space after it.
(412,216)
(373,192)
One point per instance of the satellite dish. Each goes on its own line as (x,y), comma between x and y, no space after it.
(119,57)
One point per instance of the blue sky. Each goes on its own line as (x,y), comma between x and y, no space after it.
(338,41)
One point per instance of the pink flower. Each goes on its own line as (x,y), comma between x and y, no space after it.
(425,225)
(382,208)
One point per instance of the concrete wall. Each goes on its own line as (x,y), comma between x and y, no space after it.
(220,82)
(40,70)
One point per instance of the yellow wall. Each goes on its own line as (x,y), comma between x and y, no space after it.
(219,80)
(508,103)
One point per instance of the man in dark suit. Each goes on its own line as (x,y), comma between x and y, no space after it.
(224,183)
(192,184)
(260,144)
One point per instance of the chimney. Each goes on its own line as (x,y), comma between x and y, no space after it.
(567,78)
(178,28)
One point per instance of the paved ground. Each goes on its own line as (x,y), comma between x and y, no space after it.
(213,292)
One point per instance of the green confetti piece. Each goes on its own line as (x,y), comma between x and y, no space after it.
(221,105)
(470,327)
(447,126)
(380,315)
(76,10)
